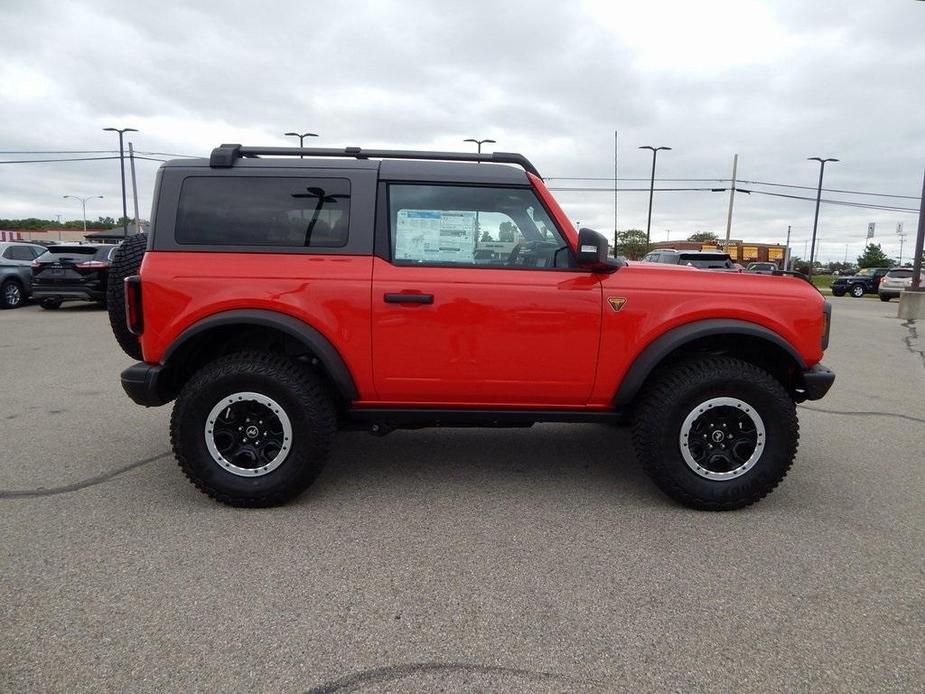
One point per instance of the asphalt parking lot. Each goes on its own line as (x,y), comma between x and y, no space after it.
(534,560)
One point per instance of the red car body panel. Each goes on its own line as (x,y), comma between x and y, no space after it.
(329,292)
(492,335)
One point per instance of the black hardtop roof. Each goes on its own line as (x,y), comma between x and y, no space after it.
(392,164)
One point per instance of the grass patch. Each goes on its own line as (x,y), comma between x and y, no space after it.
(823,281)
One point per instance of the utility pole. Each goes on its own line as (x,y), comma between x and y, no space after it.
(846,254)
(732,195)
(919,242)
(786,250)
(614,187)
(131,159)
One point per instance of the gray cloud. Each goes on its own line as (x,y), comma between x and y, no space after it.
(774,81)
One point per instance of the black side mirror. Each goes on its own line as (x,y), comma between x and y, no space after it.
(593,252)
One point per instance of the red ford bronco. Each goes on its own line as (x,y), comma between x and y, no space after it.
(280,298)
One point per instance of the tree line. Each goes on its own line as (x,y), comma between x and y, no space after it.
(34,223)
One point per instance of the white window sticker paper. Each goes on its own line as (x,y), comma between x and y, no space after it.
(436,236)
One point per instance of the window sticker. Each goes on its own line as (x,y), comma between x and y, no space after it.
(437,236)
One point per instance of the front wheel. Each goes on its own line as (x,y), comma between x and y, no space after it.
(11,294)
(252,429)
(838,292)
(716,433)
(857,291)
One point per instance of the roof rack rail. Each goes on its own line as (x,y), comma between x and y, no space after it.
(224,155)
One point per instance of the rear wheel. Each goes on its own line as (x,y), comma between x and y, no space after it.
(252,429)
(857,291)
(715,434)
(125,262)
(11,294)
(884,297)
(50,304)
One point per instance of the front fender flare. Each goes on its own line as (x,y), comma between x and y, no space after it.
(666,343)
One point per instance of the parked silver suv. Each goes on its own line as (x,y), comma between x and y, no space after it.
(16,271)
(895,281)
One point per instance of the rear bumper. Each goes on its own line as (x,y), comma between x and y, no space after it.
(144,384)
(817,381)
(46,291)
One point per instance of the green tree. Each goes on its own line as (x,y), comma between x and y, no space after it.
(874,256)
(506,231)
(486,236)
(703,237)
(631,244)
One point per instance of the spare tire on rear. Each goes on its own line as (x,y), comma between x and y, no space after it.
(125,262)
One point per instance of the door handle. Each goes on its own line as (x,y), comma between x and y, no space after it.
(409,298)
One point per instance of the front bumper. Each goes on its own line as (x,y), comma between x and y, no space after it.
(816,382)
(145,384)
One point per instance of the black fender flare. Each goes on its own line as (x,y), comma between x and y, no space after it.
(668,342)
(317,343)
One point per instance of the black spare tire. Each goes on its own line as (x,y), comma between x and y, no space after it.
(125,262)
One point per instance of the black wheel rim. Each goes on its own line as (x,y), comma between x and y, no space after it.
(248,434)
(722,438)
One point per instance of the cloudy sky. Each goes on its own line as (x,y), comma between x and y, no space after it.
(774,81)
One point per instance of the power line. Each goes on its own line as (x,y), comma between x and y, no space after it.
(832,190)
(62,151)
(845,203)
(46,161)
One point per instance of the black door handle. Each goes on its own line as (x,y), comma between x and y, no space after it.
(409,298)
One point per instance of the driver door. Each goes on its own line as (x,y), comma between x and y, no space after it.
(478,302)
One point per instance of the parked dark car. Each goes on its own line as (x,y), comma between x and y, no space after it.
(705,260)
(866,281)
(71,272)
(16,272)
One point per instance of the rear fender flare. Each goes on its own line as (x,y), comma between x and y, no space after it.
(317,343)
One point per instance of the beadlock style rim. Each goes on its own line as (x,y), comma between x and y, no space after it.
(248,434)
(722,438)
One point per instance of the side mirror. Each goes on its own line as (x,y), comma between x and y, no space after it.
(592,252)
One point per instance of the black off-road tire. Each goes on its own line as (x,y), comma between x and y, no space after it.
(301,396)
(11,294)
(838,292)
(125,262)
(50,304)
(676,392)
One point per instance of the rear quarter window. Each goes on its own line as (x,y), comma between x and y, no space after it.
(263,211)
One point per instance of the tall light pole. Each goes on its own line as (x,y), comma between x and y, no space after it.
(83,204)
(655,151)
(812,248)
(301,137)
(121,132)
(479,143)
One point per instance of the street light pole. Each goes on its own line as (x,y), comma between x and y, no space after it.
(301,137)
(812,248)
(83,205)
(121,132)
(651,188)
(479,143)
(478,227)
